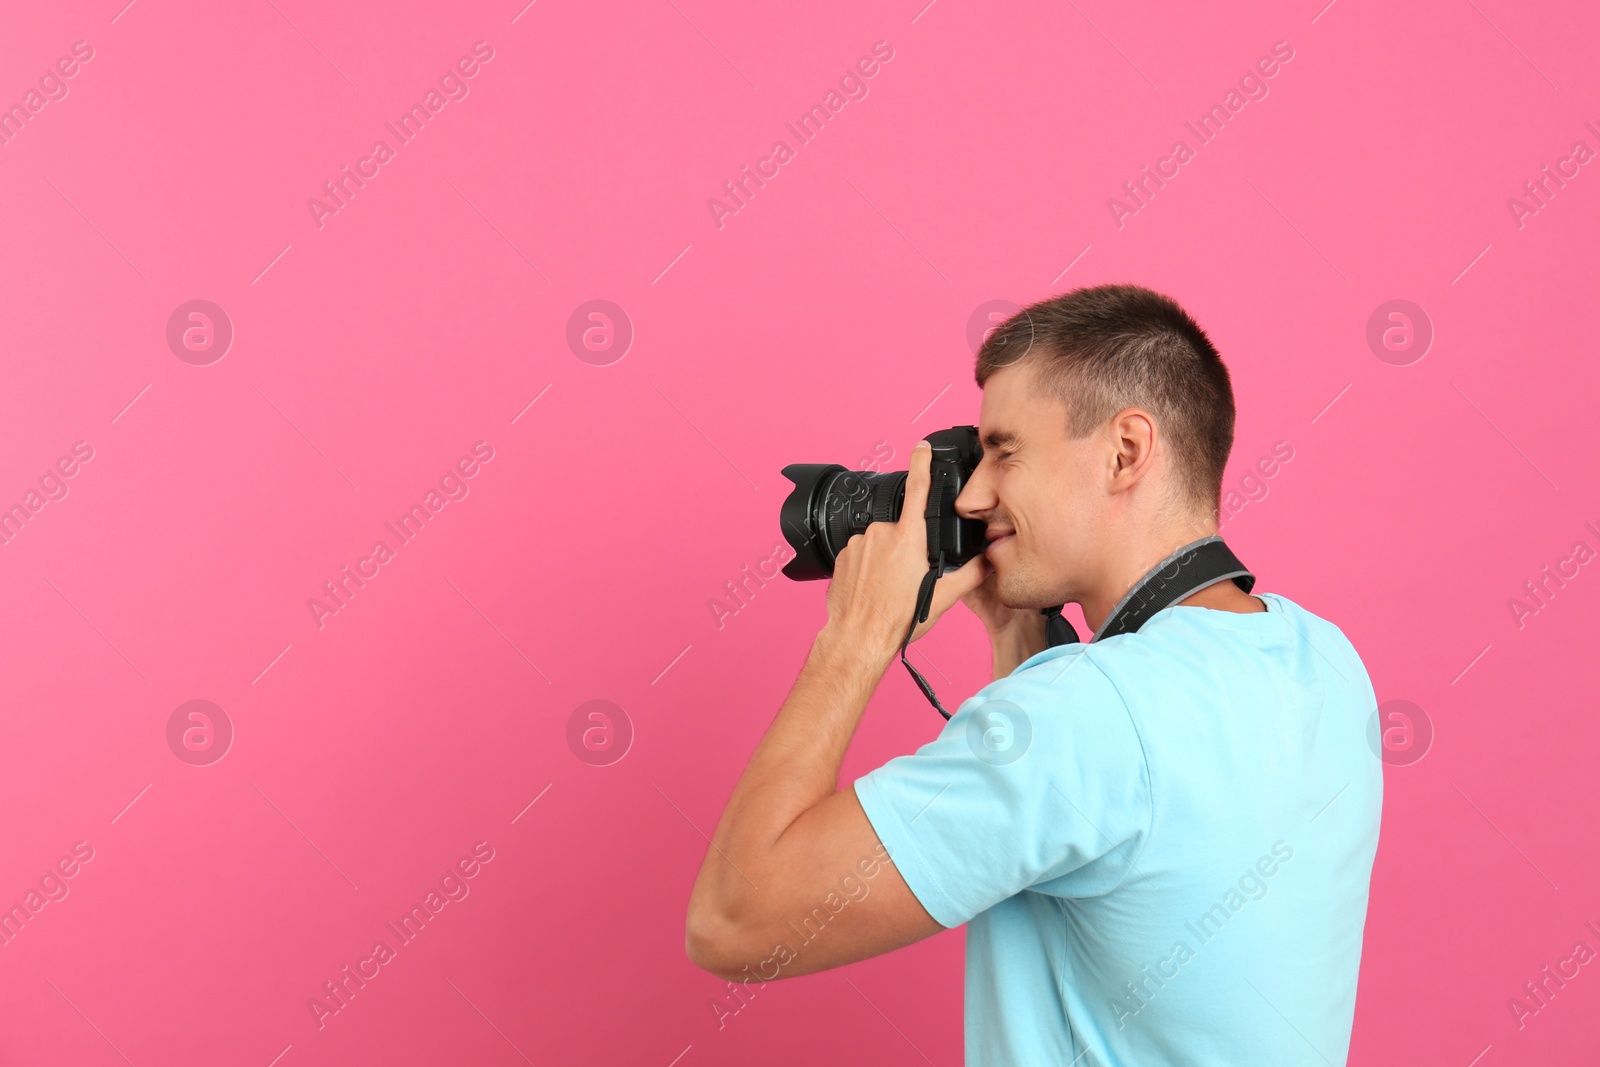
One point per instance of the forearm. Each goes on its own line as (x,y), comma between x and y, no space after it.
(795,766)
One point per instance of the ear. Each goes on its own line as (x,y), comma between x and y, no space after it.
(1133,438)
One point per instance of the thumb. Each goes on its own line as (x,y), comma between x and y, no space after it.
(919,477)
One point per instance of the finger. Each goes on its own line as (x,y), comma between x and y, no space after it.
(952,587)
(957,584)
(918,478)
(963,580)
(845,560)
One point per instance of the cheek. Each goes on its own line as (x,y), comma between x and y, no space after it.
(1043,503)
(1042,532)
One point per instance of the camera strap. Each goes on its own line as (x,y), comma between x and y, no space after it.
(1190,569)
(919,616)
(1181,575)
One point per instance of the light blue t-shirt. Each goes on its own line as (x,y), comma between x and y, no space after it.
(1161,844)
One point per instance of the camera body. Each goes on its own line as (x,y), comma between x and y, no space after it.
(830,504)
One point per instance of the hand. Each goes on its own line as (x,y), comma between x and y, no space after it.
(997,618)
(877,575)
(1015,634)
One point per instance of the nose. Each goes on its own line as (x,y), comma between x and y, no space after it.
(977,497)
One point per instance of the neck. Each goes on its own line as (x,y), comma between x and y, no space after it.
(1132,567)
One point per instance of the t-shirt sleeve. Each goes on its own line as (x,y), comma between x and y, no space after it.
(1038,780)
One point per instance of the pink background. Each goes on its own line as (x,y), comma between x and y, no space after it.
(829,314)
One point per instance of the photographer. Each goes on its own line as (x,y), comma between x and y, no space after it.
(1161,840)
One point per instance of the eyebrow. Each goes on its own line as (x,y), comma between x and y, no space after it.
(997,439)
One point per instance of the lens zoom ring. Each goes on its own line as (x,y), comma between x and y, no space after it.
(833,502)
(883,501)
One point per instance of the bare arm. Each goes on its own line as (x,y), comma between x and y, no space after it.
(792,855)
(789,837)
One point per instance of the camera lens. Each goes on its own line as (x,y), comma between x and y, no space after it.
(827,507)
(852,499)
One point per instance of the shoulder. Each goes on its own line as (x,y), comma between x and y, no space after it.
(1322,634)
(1065,671)
(1061,699)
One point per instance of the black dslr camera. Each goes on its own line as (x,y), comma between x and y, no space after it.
(830,504)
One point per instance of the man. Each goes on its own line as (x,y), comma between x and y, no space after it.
(1160,842)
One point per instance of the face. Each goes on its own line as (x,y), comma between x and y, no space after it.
(1049,491)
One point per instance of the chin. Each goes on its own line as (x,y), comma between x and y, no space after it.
(1020,590)
(1016,591)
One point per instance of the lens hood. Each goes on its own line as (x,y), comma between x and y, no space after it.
(812,558)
